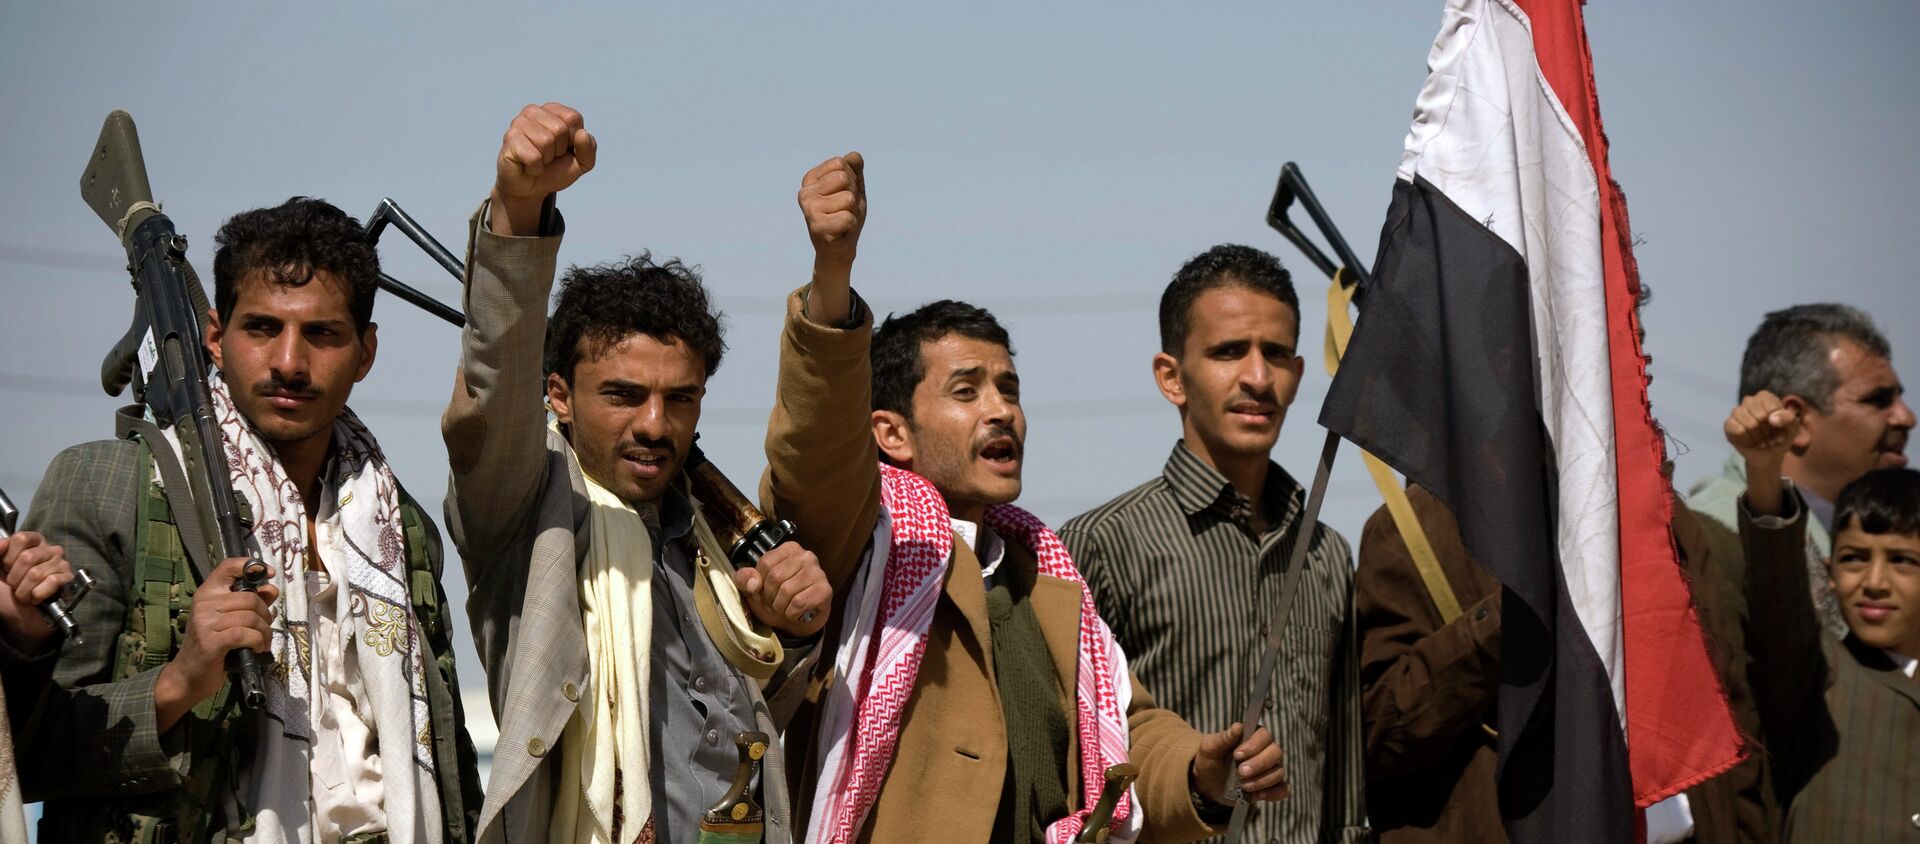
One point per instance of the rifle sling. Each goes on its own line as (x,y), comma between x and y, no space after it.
(129,422)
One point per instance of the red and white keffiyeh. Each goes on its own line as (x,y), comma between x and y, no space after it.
(881,651)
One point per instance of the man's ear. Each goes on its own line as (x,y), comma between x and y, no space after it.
(894,437)
(210,336)
(1166,376)
(1809,420)
(559,398)
(369,343)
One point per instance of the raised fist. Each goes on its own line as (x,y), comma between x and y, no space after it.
(1762,428)
(833,198)
(545,150)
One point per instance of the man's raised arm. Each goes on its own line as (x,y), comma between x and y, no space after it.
(495,425)
(822,465)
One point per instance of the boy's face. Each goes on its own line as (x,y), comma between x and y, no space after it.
(1877,578)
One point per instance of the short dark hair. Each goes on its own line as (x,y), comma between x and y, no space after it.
(292,241)
(601,305)
(1788,354)
(1226,265)
(1884,500)
(897,364)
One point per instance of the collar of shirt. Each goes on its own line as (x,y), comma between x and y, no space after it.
(670,518)
(1200,489)
(986,545)
(1821,508)
(1903,663)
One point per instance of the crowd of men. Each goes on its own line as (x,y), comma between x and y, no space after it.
(931,662)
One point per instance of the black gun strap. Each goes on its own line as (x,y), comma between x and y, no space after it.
(1262,689)
(130,421)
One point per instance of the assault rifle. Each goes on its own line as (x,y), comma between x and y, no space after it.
(161,355)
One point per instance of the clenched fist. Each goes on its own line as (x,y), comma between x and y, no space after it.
(833,199)
(545,150)
(787,590)
(1261,776)
(35,571)
(1763,429)
(221,620)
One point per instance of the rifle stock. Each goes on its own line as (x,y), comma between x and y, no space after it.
(166,324)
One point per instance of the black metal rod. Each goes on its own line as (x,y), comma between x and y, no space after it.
(389,212)
(1294,186)
(422,301)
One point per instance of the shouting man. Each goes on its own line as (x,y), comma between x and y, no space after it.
(970,669)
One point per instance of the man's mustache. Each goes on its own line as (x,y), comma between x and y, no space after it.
(275,385)
(633,448)
(996,432)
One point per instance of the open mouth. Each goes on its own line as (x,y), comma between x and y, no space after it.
(647,464)
(1001,453)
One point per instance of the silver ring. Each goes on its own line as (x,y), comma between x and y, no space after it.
(808,618)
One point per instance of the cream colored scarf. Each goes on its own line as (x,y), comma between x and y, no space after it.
(608,732)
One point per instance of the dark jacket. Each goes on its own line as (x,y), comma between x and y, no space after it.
(1429,688)
(1841,723)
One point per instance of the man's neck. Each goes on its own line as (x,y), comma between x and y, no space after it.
(304,461)
(1246,472)
(966,511)
(1811,481)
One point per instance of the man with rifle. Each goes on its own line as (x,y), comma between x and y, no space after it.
(284,542)
(625,656)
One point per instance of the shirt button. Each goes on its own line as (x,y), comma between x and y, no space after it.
(700,683)
(536,748)
(713,737)
(570,692)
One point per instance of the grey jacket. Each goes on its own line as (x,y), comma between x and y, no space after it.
(517,512)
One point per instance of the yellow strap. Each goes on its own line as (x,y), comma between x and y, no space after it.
(1339,330)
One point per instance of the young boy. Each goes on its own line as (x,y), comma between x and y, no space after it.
(1840,717)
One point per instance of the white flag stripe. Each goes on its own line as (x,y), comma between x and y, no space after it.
(1490,134)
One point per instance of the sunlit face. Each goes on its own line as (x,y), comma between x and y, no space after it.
(1866,423)
(967,434)
(1237,373)
(631,413)
(290,355)
(1876,576)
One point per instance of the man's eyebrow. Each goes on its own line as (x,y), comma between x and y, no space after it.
(967,372)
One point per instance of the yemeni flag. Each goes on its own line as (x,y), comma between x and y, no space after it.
(1496,362)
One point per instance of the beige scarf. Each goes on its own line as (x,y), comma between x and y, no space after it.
(607,733)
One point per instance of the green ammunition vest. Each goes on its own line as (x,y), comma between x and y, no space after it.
(218,733)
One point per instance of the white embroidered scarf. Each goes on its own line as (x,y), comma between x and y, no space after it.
(361,513)
(881,648)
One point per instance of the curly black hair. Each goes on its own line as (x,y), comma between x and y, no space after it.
(601,305)
(1226,265)
(897,365)
(292,241)
(1884,500)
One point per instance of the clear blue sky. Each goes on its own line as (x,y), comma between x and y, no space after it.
(1053,162)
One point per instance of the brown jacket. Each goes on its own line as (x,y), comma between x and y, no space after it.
(1428,688)
(944,785)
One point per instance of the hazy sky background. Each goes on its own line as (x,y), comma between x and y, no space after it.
(1052,162)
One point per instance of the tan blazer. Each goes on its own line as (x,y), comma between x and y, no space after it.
(948,769)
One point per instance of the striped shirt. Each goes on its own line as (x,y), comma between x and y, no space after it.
(1189,589)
